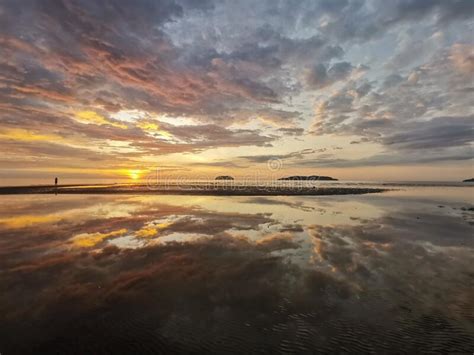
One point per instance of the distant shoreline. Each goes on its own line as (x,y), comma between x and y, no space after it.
(216,190)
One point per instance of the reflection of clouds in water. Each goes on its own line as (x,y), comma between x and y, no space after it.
(187,273)
(127,242)
(71,208)
(86,240)
(225,278)
(190,224)
(276,242)
(261,200)
(429,261)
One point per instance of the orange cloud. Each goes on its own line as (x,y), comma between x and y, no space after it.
(87,240)
(28,220)
(151,231)
(19,134)
(91,117)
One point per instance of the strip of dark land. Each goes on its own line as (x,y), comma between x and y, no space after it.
(231,190)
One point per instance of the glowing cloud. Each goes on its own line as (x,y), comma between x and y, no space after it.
(28,220)
(91,117)
(87,240)
(129,115)
(153,129)
(151,230)
(24,135)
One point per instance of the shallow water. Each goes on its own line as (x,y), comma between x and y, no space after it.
(390,272)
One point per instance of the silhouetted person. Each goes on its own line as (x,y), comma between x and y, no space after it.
(55,181)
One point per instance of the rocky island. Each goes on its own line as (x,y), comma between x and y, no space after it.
(469,180)
(224,177)
(309,178)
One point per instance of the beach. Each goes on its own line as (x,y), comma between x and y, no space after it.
(209,188)
(385,272)
(236,177)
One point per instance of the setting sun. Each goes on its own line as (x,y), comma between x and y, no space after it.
(134,174)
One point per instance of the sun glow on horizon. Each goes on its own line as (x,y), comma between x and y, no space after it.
(134,174)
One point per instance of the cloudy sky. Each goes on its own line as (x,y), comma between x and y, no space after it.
(355,89)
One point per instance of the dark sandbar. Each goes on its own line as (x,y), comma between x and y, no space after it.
(235,190)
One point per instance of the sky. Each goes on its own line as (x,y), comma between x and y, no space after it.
(122,90)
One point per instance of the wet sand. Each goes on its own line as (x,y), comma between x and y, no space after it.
(208,189)
(151,273)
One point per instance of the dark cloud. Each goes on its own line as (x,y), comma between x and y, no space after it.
(290,156)
(445,11)
(422,111)
(194,60)
(439,132)
(319,77)
(355,20)
(291,131)
(395,159)
(88,45)
(392,80)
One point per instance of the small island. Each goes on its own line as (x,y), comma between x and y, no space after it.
(224,177)
(469,180)
(309,178)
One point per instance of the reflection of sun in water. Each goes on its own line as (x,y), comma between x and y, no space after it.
(134,174)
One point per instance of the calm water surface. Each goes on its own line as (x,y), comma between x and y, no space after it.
(391,272)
